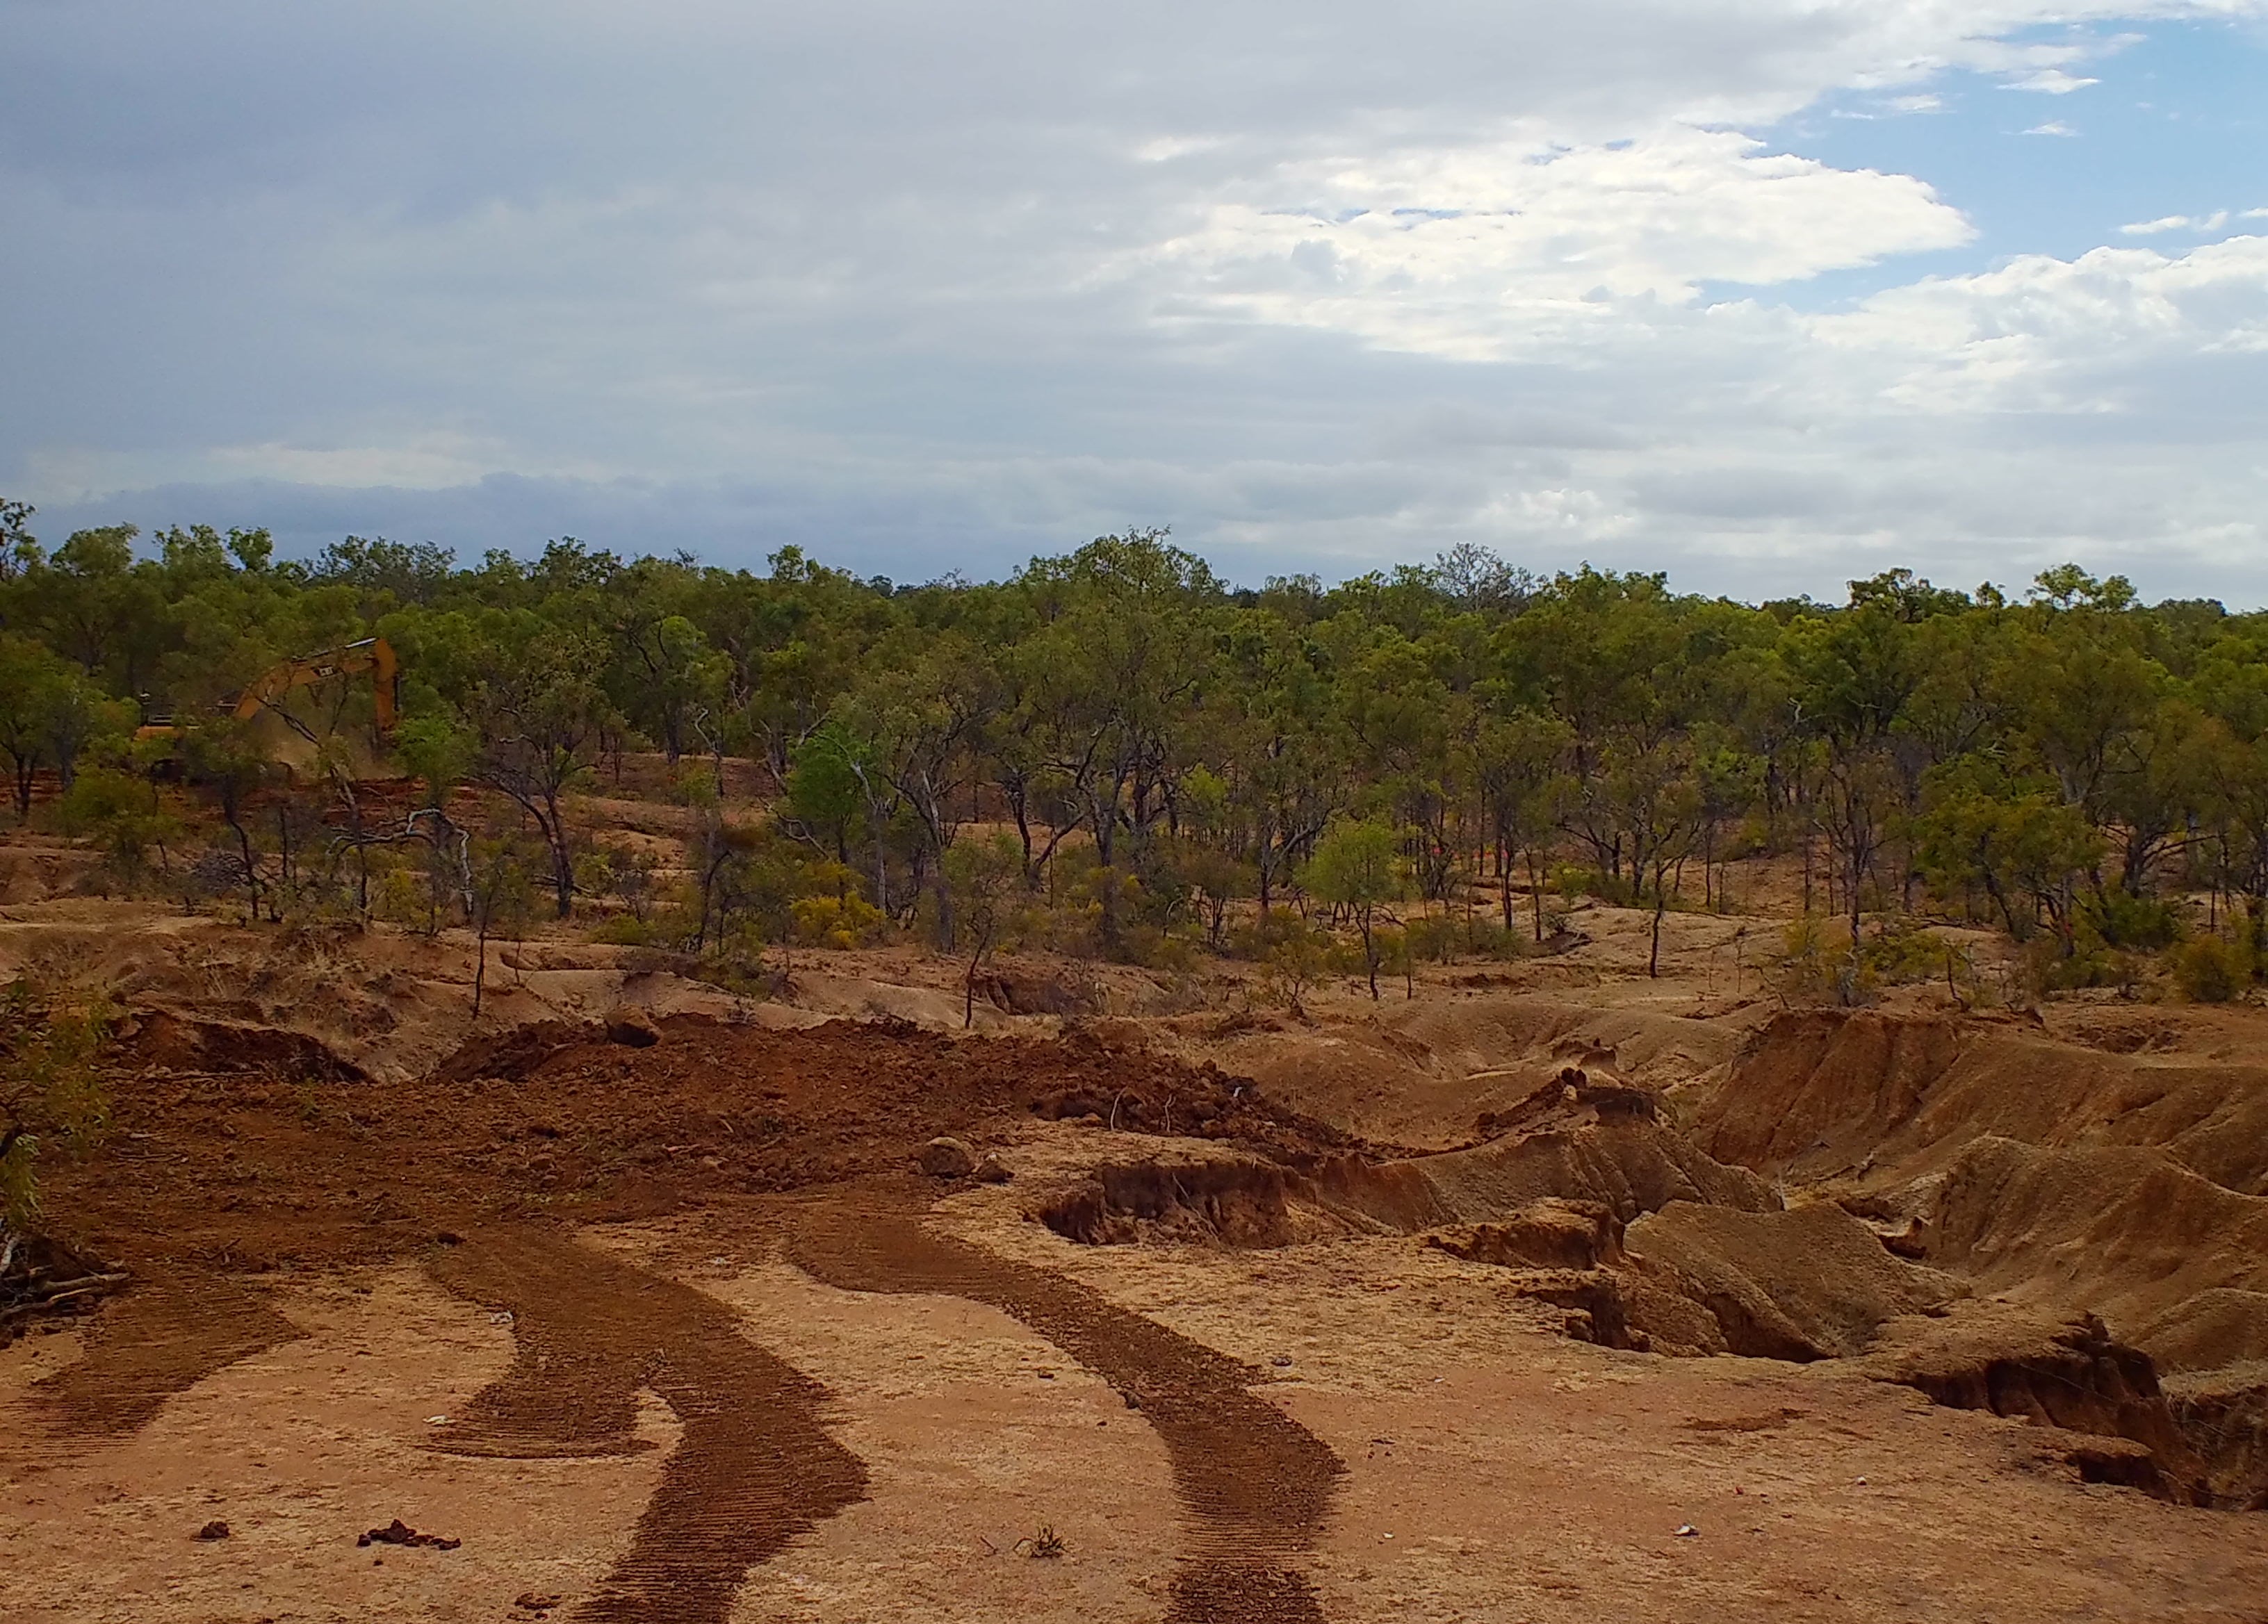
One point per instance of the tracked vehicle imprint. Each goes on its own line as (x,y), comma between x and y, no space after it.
(1255,1485)
(159,1341)
(754,1468)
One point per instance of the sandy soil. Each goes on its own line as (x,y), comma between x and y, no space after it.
(674,1332)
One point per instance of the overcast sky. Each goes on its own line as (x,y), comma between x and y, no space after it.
(1766,293)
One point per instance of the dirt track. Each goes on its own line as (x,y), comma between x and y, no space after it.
(1254,1485)
(754,1468)
(535,1179)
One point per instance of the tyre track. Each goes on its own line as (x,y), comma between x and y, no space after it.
(1255,1485)
(157,1340)
(753,1468)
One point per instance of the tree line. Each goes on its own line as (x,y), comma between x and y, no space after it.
(1165,756)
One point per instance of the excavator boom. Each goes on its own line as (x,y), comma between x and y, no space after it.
(374,655)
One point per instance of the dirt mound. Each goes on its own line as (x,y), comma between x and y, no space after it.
(1628,1163)
(2127,1233)
(241,1171)
(2224,1417)
(1692,1280)
(513,1053)
(1824,1094)
(1197,1102)
(2220,1325)
(176,1042)
(1623,1164)
(1810,1284)
(1420,1076)
(1232,1202)
(1018,991)
(2068,1373)
(1549,1235)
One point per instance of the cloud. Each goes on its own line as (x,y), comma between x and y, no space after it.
(2049,81)
(925,288)
(1484,251)
(2053,126)
(2212,222)
(2112,332)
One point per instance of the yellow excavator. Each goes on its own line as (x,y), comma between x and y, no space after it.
(374,655)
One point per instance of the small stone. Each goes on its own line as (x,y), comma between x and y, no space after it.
(1687,1530)
(214,1530)
(991,1170)
(633,1028)
(535,1601)
(946,1158)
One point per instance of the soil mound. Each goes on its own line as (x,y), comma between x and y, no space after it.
(181,1042)
(2127,1233)
(2224,1416)
(1196,1102)
(1627,1162)
(236,1172)
(1830,1094)
(1810,1284)
(1620,1163)
(2067,1374)
(1549,1235)
(1421,1077)
(1234,1202)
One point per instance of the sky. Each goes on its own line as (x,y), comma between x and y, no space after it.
(1768,294)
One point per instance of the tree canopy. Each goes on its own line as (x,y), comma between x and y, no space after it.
(2063,760)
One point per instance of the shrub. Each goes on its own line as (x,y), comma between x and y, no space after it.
(120,812)
(845,921)
(51,1089)
(2211,970)
(2123,920)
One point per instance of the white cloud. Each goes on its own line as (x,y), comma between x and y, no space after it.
(2053,126)
(2049,81)
(1483,251)
(940,286)
(2212,222)
(2097,334)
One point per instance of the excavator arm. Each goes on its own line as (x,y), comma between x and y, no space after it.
(374,655)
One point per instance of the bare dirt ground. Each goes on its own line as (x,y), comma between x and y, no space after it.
(1351,1315)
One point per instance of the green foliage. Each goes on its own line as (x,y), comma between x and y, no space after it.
(1168,754)
(2122,920)
(2009,841)
(1294,955)
(52,1092)
(123,814)
(2212,970)
(1357,865)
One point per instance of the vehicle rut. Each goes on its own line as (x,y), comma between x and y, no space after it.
(157,1340)
(753,1466)
(1255,1485)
